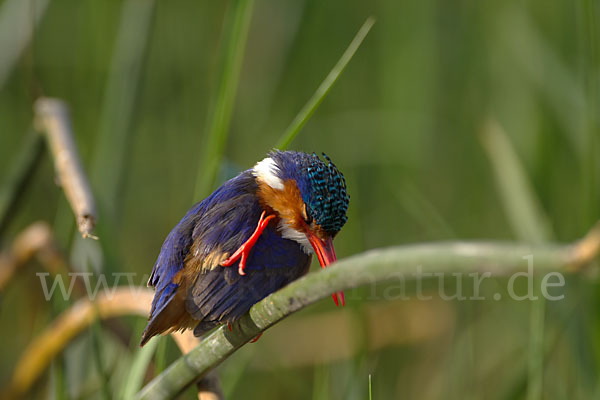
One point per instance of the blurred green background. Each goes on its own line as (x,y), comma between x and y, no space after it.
(404,123)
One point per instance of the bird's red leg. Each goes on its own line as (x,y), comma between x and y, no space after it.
(256,338)
(253,340)
(339,297)
(244,249)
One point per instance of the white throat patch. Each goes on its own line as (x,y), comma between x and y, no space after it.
(266,171)
(288,232)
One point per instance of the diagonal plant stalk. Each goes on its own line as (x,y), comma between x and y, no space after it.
(317,98)
(236,28)
(521,205)
(368,268)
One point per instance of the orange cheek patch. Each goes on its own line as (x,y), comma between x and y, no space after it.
(287,202)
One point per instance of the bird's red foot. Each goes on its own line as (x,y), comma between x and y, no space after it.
(256,338)
(253,340)
(339,298)
(244,249)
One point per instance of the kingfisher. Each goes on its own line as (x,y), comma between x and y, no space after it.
(252,236)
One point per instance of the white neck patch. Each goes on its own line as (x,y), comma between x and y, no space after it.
(266,171)
(288,232)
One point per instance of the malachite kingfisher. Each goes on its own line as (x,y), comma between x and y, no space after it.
(249,238)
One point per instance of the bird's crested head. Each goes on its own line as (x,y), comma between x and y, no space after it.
(308,194)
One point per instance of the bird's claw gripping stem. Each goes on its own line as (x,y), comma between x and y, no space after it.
(251,341)
(244,250)
(339,298)
(256,338)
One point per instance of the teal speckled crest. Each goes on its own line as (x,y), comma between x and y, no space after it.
(328,197)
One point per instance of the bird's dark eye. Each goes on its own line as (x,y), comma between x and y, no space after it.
(306,214)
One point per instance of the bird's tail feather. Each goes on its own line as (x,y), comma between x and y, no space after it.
(172,317)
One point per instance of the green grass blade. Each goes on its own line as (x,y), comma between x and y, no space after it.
(313,103)
(530,223)
(138,369)
(115,131)
(18,21)
(58,379)
(521,206)
(233,375)
(97,343)
(419,206)
(160,361)
(321,386)
(18,176)
(236,27)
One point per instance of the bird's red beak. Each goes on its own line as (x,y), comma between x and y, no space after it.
(326,255)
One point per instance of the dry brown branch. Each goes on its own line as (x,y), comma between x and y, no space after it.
(35,241)
(36,358)
(52,117)
(585,250)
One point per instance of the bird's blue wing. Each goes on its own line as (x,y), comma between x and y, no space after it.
(223,295)
(170,260)
(220,223)
(211,230)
